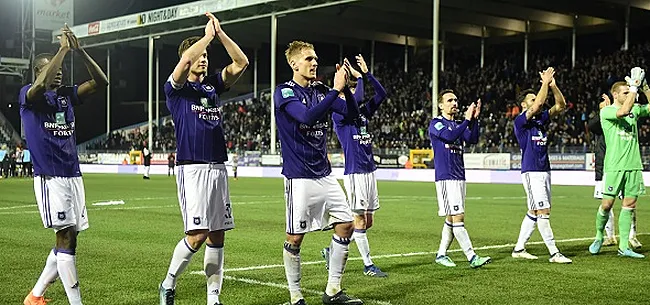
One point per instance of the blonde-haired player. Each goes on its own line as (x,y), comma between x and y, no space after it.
(314,198)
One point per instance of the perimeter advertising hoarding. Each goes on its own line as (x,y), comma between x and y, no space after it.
(558,161)
(487,161)
(53,14)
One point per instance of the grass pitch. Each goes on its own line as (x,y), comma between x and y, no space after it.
(124,255)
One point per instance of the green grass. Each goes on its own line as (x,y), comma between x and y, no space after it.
(125,254)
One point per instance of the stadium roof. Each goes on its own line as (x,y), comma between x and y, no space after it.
(355,21)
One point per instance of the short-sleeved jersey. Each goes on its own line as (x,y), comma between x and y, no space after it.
(50,131)
(448,155)
(304,147)
(196,112)
(622,138)
(531,135)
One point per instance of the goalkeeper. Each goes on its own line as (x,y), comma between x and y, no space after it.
(622,164)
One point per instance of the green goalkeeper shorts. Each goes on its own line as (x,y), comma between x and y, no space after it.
(626,183)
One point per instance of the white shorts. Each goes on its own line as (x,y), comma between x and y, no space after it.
(598,190)
(451,197)
(204,198)
(538,190)
(362,192)
(61,201)
(314,204)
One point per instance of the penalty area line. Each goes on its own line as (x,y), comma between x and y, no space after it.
(489,247)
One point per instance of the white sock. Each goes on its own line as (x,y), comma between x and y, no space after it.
(633,225)
(609,226)
(544,225)
(527,228)
(291,255)
(359,236)
(48,276)
(146,169)
(447,238)
(66,265)
(339,248)
(213,266)
(180,259)
(463,239)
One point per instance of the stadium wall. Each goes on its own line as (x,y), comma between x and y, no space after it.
(559,177)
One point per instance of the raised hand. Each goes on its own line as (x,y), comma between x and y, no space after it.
(470,111)
(477,110)
(72,38)
(637,75)
(64,41)
(351,70)
(340,78)
(211,26)
(547,75)
(217,24)
(606,102)
(552,84)
(362,63)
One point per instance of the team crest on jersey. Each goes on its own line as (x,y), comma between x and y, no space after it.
(208,88)
(609,188)
(61,215)
(303,224)
(304,102)
(197,220)
(363,130)
(320,97)
(631,115)
(204,102)
(64,101)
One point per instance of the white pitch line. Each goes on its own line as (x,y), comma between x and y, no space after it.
(285,287)
(262,267)
(18,207)
(466,198)
(271,199)
(282,286)
(140,199)
(112,208)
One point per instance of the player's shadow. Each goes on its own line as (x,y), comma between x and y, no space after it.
(395,293)
(583,250)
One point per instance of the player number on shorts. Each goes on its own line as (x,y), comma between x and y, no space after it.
(228,211)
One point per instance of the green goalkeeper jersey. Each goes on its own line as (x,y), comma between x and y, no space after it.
(622,138)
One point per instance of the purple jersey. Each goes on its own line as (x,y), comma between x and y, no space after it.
(353,132)
(531,135)
(448,139)
(50,133)
(356,141)
(196,111)
(304,149)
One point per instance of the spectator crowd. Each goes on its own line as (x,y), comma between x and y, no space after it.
(402,121)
